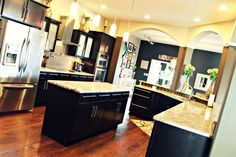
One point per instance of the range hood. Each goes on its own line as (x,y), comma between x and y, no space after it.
(66,30)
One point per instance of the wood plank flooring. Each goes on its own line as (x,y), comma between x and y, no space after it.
(20,136)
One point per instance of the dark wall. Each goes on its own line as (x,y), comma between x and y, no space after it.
(149,52)
(202,61)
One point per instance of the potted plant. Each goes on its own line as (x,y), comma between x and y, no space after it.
(213,77)
(188,72)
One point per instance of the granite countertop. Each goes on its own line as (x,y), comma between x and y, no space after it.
(42,69)
(188,115)
(191,116)
(89,87)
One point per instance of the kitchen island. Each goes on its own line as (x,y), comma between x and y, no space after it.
(78,110)
(182,127)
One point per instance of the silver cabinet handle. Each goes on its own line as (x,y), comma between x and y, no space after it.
(118,107)
(104,95)
(116,94)
(89,96)
(83,76)
(125,94)
(44,85)
(23,11)
(47,85)
(139,106)
(76,76)
(142,96)
(17,86)
(93,111)
(143,90)
(65,75)
(43,73)
(51,74)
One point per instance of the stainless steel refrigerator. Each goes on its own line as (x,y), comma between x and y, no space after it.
(21,51)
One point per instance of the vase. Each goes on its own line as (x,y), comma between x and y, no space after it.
(85,26)
(185,85)
(210,90)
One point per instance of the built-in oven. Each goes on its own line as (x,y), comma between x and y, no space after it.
(102,60)
(100,75)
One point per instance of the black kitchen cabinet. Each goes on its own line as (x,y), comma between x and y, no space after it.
(71,116)
(41,96)
(25,11)
(170,141)
(146,103)
(52,27)
(84,41)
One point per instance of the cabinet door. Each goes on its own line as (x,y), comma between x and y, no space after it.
(88,47)
(95,119)
(41,92)
(120,110)
(82,115)
(81,47)
(35,14)
(108,120)
(14,9)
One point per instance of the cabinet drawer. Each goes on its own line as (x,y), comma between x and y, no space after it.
(144,93)
(141,101)
(65,77)
(120,95)
(53,76)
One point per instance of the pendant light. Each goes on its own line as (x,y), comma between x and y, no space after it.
(74,8)
(113,26)
(126,34)
(97,17)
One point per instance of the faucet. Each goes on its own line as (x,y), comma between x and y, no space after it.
(190,92)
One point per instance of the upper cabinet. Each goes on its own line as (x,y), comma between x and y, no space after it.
(25,11)
(103,43)
(84,43)
(52,27)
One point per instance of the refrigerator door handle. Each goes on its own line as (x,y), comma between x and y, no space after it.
(27,56)
(17,86)
(20,59)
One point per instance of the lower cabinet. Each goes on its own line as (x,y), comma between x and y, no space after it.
(81,115)
(146,103)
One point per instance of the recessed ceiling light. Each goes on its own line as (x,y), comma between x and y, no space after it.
(147,16)
(223,7)
(196,19)
(103,6)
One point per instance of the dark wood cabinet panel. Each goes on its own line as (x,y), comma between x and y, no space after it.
(170,141)
(87,114)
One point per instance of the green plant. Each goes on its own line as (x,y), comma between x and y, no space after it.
(188,70)
(213,74)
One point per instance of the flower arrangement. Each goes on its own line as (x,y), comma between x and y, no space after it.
(84,23)
(213,74)
(188,70)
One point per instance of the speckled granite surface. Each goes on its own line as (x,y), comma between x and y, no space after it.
(64,71)
(191,116)
(89,87)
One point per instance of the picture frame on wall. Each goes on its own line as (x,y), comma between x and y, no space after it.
(128,64)
(130,47)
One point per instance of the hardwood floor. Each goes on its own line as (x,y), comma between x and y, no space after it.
(20,136)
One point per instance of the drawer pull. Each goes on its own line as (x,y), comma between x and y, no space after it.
(116,94)
(125,94)
(43,73)
(139,106)
(89,96)
(76,76)
(142,96)
(64,75)
(104,95)
(53,74)
(83,76)
(143,90)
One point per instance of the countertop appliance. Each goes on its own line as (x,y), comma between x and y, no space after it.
(101,67)
(21,55)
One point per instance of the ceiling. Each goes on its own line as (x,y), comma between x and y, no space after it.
(209,42)
(171,12)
